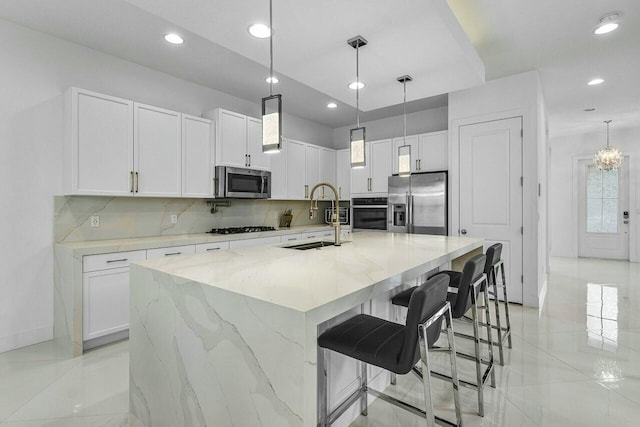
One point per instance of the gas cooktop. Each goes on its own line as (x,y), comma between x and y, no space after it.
(237,230)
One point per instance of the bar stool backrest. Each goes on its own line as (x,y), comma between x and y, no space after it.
(493,257)
(427,299)
(471,272)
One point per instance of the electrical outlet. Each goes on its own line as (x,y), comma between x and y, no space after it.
(95,221)
(174,219)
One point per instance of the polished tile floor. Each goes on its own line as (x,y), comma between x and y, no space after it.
(575,363)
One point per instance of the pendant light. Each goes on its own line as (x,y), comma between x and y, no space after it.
(608,158)
(404,151)
(271,105)
(357,135)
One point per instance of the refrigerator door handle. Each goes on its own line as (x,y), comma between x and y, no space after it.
(409,213)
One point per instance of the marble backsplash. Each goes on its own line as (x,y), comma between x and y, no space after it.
(124,217)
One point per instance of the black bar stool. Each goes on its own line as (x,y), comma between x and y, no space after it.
(464,289)
(393,347)
(492,267)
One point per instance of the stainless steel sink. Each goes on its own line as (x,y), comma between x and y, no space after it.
(310,245)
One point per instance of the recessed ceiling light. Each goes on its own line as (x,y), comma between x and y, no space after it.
(173,38)
(356,85)
(590,109)
(260,31)
(607,24)
(596,81)
(273,80)
(332,105)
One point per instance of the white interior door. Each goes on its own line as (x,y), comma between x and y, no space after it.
(491,191)
(602,203)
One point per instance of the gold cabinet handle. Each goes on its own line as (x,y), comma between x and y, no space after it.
(137,182)
(131,181)
(306,191)
(417,167)
(420,164)
(340,192)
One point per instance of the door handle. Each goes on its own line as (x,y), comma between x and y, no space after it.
(417,167)
(306,191)
(339,192)
(137,182)
(131,179)
(246,160)
(419,164)
(249,156)
(213,249)
(463,231)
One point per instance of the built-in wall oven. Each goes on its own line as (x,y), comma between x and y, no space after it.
(369,213)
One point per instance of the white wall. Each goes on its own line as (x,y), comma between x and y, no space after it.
(432,120)
(36,69)
(518,95)
(565,149)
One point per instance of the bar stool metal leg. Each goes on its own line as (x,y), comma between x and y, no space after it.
(476,344)
(426,378)
(323,393)
(496,300)
(506,305)
(487,319)
(364,386)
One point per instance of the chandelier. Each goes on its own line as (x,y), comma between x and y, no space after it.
(608,158)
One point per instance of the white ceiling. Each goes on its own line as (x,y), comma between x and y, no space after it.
(314,62)
(556,38)
(314,67)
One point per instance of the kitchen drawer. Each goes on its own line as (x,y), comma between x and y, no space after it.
(111,260)
(210,247)
(291,238)
(318,234)
(260,241)
(170,251)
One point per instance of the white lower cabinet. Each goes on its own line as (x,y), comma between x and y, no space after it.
(211,247)
(105,293)
(171,251)
(246,243)
(318,234)
(291,238)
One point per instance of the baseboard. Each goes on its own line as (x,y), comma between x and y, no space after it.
(25,338)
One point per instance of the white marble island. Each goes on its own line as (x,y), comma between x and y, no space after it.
(229,338)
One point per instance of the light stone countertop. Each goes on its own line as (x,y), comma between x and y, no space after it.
(93,247)
(306,280)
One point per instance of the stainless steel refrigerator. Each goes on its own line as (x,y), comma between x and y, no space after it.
(418,204)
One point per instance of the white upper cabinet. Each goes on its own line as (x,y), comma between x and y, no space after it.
(343,172)
(373,178)
(197,157)
(415,149)
(279,173)
(312,167)
(297,187)
(239,141)
(231,139)
(380,166)
(98,144)
(328,166)
(157,145)
(257,159)
(433,151)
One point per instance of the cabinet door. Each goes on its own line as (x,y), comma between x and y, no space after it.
(380,165)
(157,151)
(291,238)
(197,157)
(231,139)
(328,166)
(343,172)
(415,150)
(433,151)
(312,164)
(257,159)
(360,176)
(100,153)
(279,173)
(105,302)
(296,170)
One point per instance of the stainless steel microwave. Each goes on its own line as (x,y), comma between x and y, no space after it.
(240,183)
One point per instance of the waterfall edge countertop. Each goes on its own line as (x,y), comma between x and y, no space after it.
(230,338)
(307,279)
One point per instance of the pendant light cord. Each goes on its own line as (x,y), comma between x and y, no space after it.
(271,48)
(357,84)
(404,107)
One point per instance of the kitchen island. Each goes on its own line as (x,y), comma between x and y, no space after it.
(229,338)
